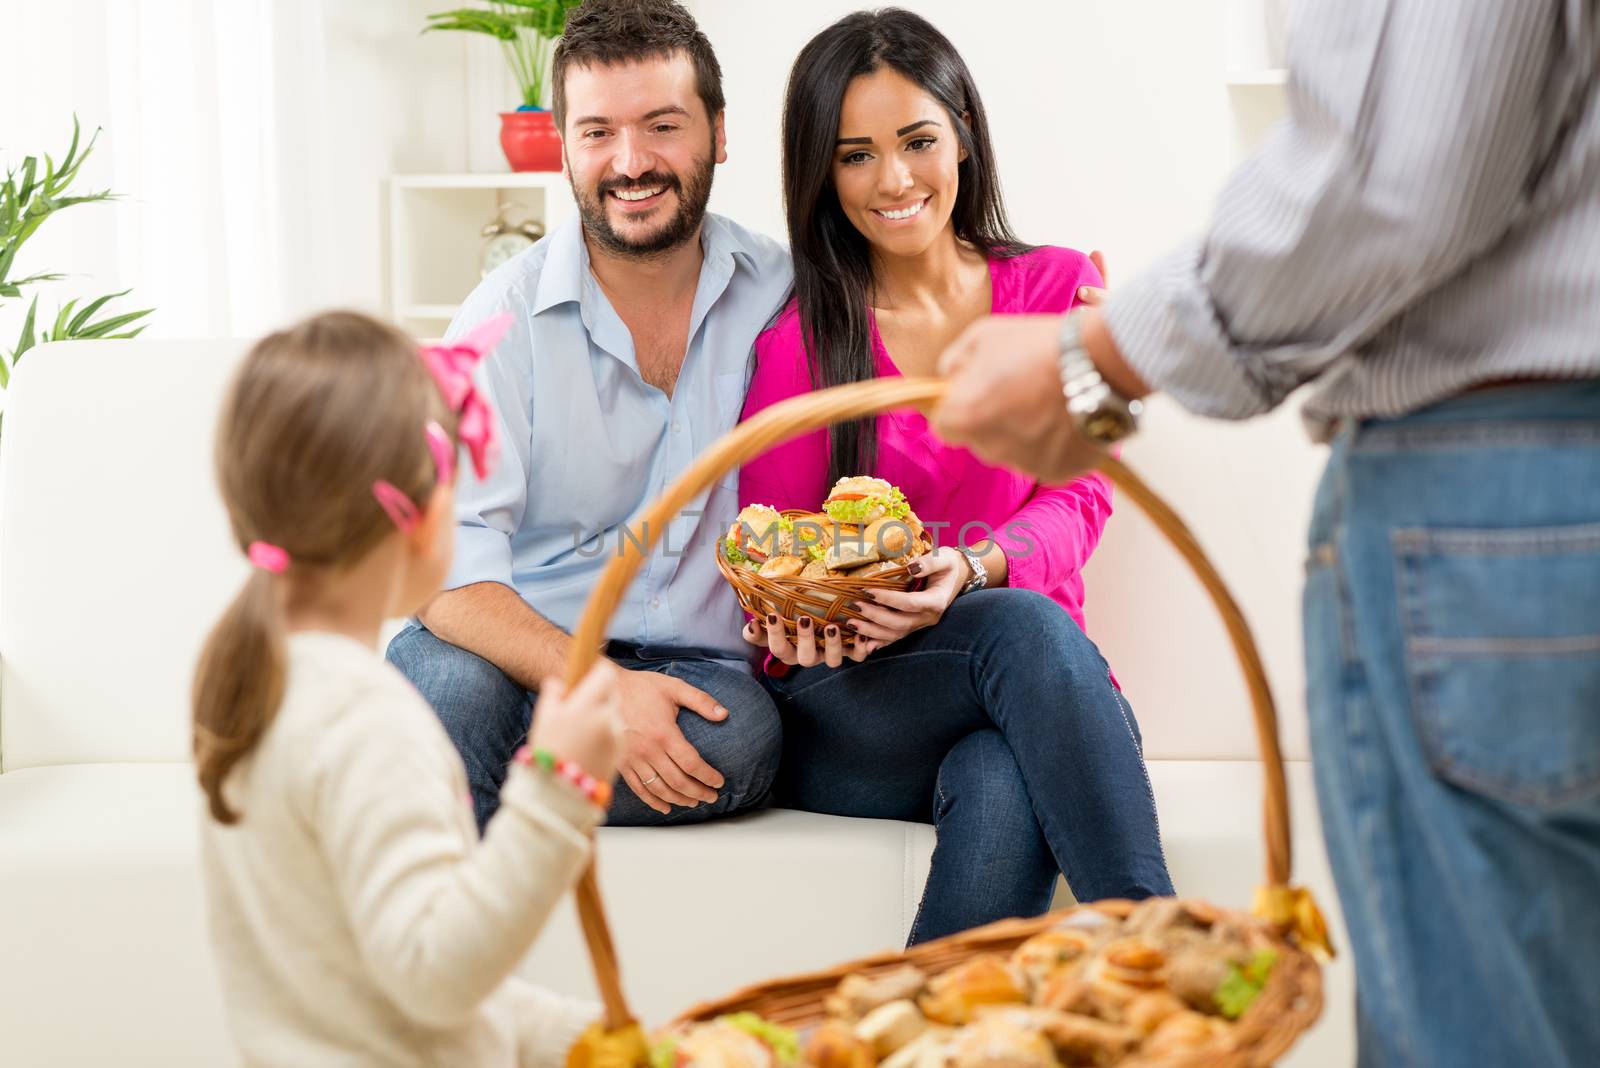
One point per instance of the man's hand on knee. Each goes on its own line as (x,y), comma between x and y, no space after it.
(658,763)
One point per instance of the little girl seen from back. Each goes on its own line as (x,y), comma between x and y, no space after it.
(357,917)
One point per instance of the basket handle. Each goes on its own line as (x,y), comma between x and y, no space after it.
(815,411)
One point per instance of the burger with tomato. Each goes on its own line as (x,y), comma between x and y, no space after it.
(760,534)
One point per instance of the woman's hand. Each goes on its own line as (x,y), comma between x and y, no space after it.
(803,651)
(892,614)
(1089,294)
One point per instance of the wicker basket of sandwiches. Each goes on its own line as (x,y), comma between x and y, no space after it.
(796,563)
(1166,982)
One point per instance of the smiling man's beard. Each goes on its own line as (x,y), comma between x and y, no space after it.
(692,197)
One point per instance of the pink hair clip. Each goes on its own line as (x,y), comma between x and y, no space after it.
(452,366)
(402,510)
(267,557)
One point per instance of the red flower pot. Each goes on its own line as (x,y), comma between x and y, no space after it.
(529,139)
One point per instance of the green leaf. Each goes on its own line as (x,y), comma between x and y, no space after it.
(51,204)
(92,307)
(1244,984)
(473,21)
(29,167)
(70,165)
(5,372)
(26,341)
(32,279)
(101,329)
(59,331)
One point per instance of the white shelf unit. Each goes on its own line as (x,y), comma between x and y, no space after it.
(433,236)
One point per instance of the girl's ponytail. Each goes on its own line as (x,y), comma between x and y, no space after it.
(238,685)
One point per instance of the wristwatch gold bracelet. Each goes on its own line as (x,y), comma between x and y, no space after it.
(1100,413)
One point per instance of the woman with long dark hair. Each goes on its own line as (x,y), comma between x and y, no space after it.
(976,701)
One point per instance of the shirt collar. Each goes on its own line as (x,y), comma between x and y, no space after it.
(561,280)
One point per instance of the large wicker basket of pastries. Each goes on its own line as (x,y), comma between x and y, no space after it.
(817,564)
(1166,982)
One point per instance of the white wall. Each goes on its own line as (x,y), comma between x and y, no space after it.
(1114,129)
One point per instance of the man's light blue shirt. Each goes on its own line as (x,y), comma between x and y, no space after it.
(587,444)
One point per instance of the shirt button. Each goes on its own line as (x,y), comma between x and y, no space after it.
(655,602)
(677,427)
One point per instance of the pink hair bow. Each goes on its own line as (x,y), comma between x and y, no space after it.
(452,366)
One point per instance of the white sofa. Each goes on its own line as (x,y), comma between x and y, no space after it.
(115,557)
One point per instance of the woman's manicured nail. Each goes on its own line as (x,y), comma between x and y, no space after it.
(914,568)
(833,631)
(772,619)
(805,623)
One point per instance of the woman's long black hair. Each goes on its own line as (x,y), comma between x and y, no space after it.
(833,280)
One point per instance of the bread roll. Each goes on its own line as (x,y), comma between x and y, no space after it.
(834,1045)
(889,1027)
(851,552)
(816,569)
(782,567)
(953,997)
(891,537)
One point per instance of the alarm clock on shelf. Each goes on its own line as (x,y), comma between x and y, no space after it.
(506,237)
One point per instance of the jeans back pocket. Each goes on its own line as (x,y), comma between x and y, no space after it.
(1502,647)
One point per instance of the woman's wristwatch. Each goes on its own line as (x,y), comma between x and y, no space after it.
(1098,412)
(980,574)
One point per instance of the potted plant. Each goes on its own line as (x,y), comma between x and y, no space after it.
(27,199)
(527,31)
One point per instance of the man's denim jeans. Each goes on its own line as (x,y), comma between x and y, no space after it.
(1001,726)
(1452,621)
(487,716)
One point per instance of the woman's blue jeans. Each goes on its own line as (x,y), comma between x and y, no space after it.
(1452,621)
(1001,726)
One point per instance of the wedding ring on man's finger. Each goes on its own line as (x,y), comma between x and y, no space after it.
(651,779)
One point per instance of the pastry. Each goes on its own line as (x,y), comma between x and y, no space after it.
(858,995)
(782,567)
(997,1042)
(953,997)
(835,1045)
(892,1026)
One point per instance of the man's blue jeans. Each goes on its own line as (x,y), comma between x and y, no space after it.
(487,716)
(1452,620)
(1001,726)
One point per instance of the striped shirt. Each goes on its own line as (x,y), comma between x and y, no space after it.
(1426,219)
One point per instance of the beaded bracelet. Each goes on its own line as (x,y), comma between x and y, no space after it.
(596,791)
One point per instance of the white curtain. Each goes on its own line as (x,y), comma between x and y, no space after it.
(215,133)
